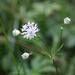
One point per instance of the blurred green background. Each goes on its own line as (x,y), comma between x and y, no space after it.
(49,15)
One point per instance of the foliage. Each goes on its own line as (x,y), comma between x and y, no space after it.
(49,15)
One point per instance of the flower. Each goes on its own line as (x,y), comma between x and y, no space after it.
(67,20)
(16,32)
(25,55)
(29,30)
(24,27)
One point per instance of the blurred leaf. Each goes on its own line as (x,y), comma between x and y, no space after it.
(46,7)
(71,67)
(71,41)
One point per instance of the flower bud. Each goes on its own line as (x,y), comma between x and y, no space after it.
(62,28)
(25,55)
(16,32)
(67,20)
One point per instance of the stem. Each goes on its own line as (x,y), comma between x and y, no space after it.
(9,47)
(41,55)
(56,67)
(40,47)
(45,45)
(58,43)
(21,65)
(24,69)
(57,50)
(60,40)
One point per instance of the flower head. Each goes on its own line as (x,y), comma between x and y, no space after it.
(25,55)
(24,27)
(67,20)
(29,30)
(16,32)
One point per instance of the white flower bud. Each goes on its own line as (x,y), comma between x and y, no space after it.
(67,20)
(62,28)
(16,32)
(25,55)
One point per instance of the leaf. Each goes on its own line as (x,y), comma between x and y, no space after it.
(48,69)
(45,7)
(58,50)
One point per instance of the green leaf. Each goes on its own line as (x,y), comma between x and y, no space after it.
(58,50)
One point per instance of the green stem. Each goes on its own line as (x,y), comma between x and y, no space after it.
(45,45)
(56,67)
(9,47)
(58,50)
(22,62)
(41,55)
(21,65)
(60,40)
(40,47)
(59,43)
(24,69)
